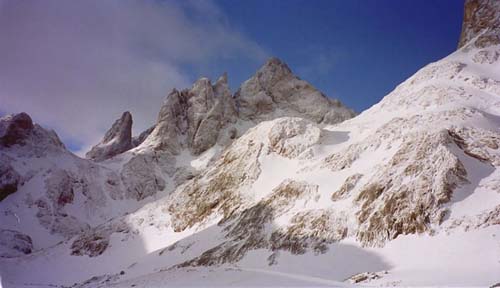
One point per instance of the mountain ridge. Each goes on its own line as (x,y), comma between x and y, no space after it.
(202,110)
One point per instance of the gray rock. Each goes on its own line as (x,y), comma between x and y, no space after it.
(197,118)
(221,113)
(14,243)
(206,114)
(59,187)
(94,242)
(117,140)
(274,91)
(143,175)
(137,140)
(9,180)
(192,118)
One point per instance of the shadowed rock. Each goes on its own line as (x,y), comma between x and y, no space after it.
(15,129)
(9,179)
(137,140)
(14,243)
(18,132)
(117,140)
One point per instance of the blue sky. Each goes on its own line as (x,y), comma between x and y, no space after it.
(356,50)
(75,66)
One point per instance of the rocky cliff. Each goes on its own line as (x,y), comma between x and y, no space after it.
(481,23)
(117,139)
(206,114)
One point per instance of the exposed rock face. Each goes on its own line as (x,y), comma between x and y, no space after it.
(390,207)
(216,189)
(9,179)
(14,243)
(137,140)
(478,143)
(18,132)
(348,185)
(143,175)
(14,129)
(90,244)
(219,115)
(198,118)
(222,187)
(275,92)
(60,187)
(192,118)
(481,20)
(251,229)
(292,136)
(118,139)
(94,242)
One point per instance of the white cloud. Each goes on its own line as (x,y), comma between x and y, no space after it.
(77,65)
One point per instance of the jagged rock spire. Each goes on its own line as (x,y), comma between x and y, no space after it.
(199,117)
(117,139)
(481,18)
(193,117)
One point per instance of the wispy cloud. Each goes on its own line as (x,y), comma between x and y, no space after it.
(76,65)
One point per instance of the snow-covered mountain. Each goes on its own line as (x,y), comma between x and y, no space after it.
(276,185)
(50,195)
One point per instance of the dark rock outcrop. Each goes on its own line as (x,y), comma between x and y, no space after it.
(18,130)
(137,140)
(117,140)
(15,129)
(9,179)
(14,243)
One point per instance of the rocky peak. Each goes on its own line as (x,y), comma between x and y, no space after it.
(222,80)
(199,117)
(19,129)
(117,139)
(273,71)
(193,117)
(274,91)
(122,128)
(15,128)
(137,140)
(481,18)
